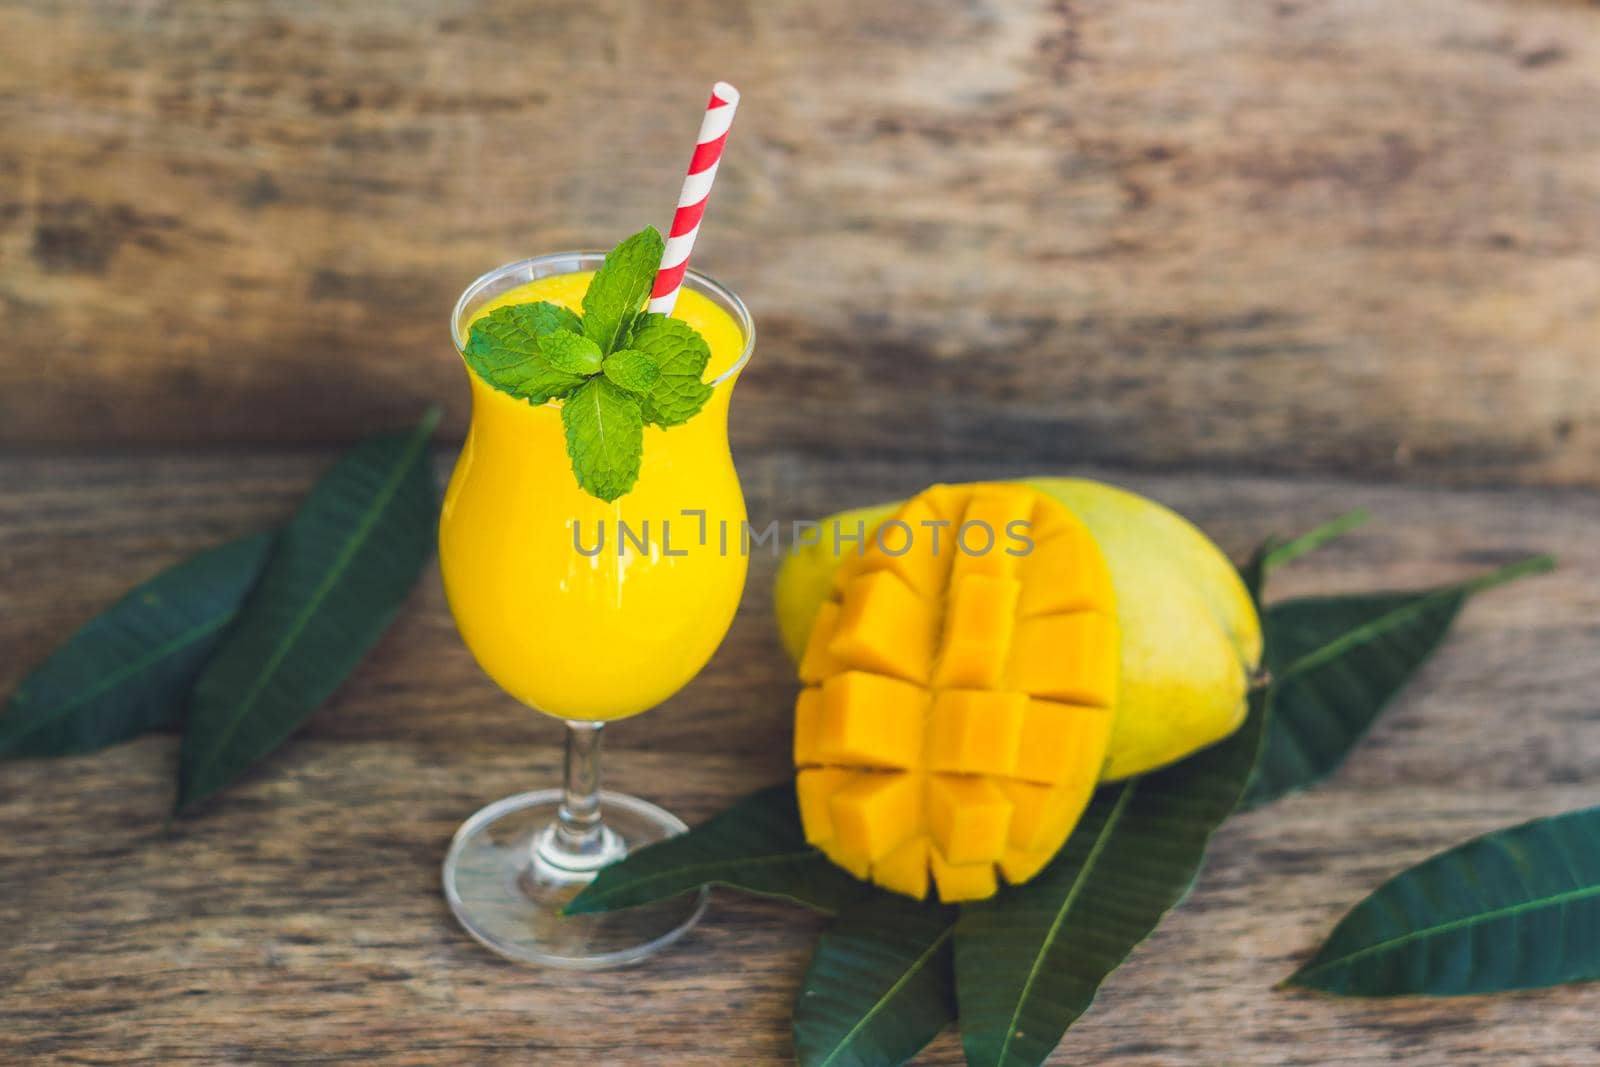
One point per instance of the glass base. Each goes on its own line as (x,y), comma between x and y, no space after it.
(506,892)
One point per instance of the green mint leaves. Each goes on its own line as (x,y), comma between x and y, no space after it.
(680,355)
(571,353)
(631,371)
(616,369)
(504,348)
(605,438)
(620,288)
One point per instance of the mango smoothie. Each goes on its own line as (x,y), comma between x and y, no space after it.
(579,608)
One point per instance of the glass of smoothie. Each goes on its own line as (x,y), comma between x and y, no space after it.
(586,611)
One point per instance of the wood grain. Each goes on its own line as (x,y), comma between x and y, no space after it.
(298,919)
(1289,236)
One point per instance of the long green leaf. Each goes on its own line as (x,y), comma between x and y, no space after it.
(1515,909)
(879,987)
(755,846)
(333,582)
(1337,663)
(127,670)
(1289,551)
(1274,553)
(1030,960)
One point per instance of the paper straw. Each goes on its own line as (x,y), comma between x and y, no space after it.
(692,199)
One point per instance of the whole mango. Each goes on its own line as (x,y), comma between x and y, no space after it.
(961,705)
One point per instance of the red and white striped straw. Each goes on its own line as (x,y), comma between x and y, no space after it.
(692,200)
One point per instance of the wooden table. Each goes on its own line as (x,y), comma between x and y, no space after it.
(1233,250)
(298,918)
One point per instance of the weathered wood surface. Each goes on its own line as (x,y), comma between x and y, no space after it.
(1283,236)
(299,919)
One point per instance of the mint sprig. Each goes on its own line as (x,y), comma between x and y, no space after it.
(616,368)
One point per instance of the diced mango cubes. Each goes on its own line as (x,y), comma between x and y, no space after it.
(958,693)
(868,720)
(1066,657)
(974,731)
(875,813)
(807,722)
(968,817)
(977,630)
(1059,576)
(818,663)
(816,787)
(884,626)
(894,548)
(1059,743)
(983,540)
(905,870)
(966,881)
(1042,815)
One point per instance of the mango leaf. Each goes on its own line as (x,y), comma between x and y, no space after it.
(1274,553)
(879,987)
(334,580)
(1515,909)
(127,670)
(1030,960)
(1337,662)
(755,846)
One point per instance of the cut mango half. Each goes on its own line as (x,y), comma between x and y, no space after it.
(959,687)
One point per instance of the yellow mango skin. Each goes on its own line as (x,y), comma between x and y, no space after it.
(1190,636)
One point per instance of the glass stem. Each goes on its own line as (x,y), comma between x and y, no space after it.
(580,832)
(578,842)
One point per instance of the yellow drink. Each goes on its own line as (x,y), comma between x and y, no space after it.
(586,634)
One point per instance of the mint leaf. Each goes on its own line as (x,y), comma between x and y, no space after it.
(605,438)
(504,348)
(620,288)
(681,355)
(631,370)
(542,317)
(571,352)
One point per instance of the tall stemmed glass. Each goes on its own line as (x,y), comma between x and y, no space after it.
(589,612)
